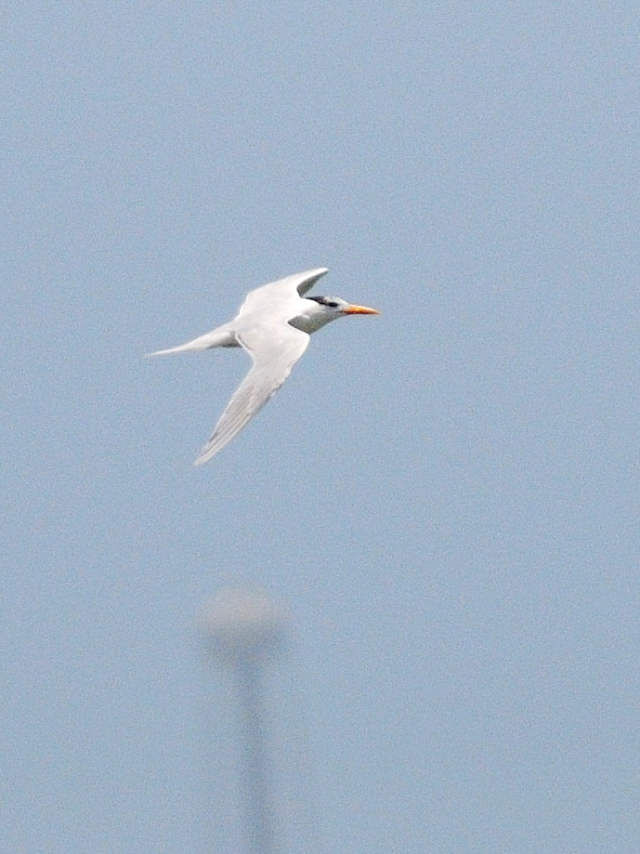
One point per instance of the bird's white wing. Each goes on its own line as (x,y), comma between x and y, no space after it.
(275,350)
(281,298)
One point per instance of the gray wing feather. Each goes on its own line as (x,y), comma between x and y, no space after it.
(274,355)
(283,295)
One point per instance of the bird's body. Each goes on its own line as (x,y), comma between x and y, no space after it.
(273,325)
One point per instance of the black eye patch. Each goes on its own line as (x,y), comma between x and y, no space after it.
(325,301)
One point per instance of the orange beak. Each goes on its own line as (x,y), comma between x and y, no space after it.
(360,309)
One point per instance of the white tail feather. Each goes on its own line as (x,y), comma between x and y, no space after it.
(220,337)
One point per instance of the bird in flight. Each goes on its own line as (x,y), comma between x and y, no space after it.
(273,325)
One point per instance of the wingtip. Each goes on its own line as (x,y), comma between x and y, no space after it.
(205,455)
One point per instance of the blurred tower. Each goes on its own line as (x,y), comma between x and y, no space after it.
(246,629)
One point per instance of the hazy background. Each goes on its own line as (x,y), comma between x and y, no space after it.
(446,496)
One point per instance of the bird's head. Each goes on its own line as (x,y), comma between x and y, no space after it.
(335,305)
(320,310)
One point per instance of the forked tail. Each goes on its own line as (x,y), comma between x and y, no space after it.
(220,337)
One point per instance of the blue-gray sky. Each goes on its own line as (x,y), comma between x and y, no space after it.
(445,497)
